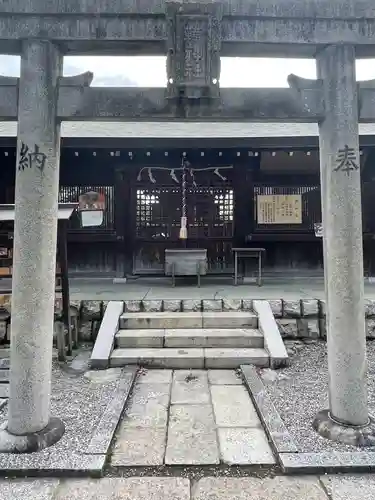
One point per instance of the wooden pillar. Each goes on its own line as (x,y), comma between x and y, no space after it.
(63,260)
(243,186)
(123,222)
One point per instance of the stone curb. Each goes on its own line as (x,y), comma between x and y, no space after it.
(290,459)
(106,336)
(276,431)
(303,318)
(273,343)
(103,435)
(85,466)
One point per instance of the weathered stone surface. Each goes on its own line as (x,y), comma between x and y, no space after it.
(192,305)
(288,328)
(152,305)
(139,446)
(233,406)
(76,305)
(269,416)
(247,304)
(103,376)
(190,387)
(106,335)
(308,328)
(191,436)
(86,331)
(224,377)
(140,338)
(232,304)
(267,325)
(370,307)
(327,461)
(154,377)
(370,328)
(232,358)
(212,305)
(292,308)
(29,489)
(4,391)
(276,307)
(132,306)
(148,406)
(160,320)
(245,447)
(246,488)
(343,487)
(91,309)
(172,305)
(309,307)
(159,358)
(229,319)
(134,488)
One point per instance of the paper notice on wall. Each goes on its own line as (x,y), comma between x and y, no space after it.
(279,209)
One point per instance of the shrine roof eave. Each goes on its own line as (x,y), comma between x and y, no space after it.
(187,134)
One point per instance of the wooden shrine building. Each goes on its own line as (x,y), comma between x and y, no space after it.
(248,184)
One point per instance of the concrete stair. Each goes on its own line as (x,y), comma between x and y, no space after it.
(210,339)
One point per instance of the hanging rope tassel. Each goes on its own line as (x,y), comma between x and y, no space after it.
(183,229)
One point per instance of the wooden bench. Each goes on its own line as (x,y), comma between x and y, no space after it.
(246,253)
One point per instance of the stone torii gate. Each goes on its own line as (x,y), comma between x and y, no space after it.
(193,35)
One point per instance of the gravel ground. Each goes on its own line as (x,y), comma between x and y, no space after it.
(301,390)
(80,403)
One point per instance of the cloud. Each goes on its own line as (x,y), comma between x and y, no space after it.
(151,71)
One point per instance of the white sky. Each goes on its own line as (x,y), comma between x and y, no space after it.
(150,71)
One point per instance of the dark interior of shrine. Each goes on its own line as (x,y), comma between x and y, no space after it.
(141,188)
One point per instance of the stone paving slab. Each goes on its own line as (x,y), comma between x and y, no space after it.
(135,488)
(139,446)
(245,447)
(233,407)
(248,488)
(191,436)
(148,406)
(341,487)
(34,489)
(224,377)
(154,376)
(190,387)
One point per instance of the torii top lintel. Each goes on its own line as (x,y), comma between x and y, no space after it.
(247,27)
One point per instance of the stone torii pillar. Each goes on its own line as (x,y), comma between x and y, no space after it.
(30,427)
(347,419)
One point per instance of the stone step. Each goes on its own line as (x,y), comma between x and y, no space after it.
(189,358)
(175,320)
(190,337)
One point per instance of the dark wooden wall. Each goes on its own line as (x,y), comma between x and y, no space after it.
(111,248)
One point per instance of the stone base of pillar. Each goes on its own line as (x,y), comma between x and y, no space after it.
(360,436)
(29,443)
